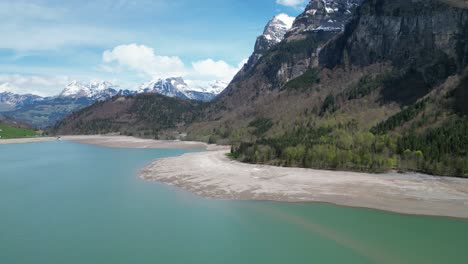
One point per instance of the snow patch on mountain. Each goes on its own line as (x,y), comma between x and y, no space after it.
(76,89)
(178,87)
(276,28)
(274,33)
(324,15)
(95,90)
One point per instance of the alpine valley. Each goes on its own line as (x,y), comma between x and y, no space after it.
(341,137)
(370,85)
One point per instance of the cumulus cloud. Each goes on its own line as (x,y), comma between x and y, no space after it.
(26,84)
(219,70)
(291,3)
(143,59)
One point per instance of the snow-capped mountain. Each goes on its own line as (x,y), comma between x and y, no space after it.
(273,34)
(171,87)
(10,101)
(74,96)
(276,29)
(75,90)
(214,87)
(177,87)
(97,91)
(326,15)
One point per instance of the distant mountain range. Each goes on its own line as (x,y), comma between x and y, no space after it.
(41,111)
(177,87)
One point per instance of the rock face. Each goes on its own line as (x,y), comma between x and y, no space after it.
(429,35)
(426,40)
(270,69)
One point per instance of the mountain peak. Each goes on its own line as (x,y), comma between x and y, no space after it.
(275,29)
(75,89)
(285,19)
(102,85)
(98,90)
(274,33)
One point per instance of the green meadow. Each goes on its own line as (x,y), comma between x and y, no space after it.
(7,132)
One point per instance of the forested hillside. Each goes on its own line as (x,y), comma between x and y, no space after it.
(143,115)
(385,95)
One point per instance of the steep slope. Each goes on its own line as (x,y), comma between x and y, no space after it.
(392,78)
(425,39)
(320,22)
(273,34)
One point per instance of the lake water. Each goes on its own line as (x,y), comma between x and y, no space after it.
(67,203)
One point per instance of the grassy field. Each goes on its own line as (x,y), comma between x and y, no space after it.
(7,132)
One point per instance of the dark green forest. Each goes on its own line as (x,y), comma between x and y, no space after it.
(440,151)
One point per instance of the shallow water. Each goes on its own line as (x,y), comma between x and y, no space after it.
(63,202)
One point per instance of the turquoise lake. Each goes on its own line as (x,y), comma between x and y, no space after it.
(67,203)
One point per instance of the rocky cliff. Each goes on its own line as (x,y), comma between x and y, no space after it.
(428,35)
(320,22)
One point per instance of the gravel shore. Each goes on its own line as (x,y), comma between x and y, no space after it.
(213,175)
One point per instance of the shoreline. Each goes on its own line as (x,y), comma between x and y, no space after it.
(119,142)
(27,140)
(139,143)
(213,175)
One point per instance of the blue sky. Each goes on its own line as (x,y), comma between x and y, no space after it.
(47,43)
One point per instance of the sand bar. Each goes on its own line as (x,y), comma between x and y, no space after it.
(119,142)
(139,143)
(27,140)
(211,174)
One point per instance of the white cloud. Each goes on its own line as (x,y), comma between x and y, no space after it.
(219,70)
(25,84)
(291,3)
(141,58)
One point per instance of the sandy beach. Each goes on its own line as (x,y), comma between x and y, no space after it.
(212,174)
